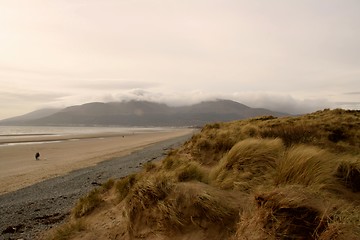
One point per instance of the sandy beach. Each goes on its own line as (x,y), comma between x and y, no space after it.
(61,154)
(29,211)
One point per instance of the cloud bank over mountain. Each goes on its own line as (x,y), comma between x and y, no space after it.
(274,102)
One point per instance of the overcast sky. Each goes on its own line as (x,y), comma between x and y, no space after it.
(288,55)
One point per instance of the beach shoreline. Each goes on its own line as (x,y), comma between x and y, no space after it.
(29,211)
(60,155)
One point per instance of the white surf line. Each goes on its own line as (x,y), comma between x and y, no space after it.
(27,143)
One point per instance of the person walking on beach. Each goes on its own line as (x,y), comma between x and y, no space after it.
(37,155)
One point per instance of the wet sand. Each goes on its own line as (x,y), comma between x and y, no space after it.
(62,154)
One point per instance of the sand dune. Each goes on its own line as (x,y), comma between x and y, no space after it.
(60,155)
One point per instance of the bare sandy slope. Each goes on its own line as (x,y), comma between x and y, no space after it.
(20,169)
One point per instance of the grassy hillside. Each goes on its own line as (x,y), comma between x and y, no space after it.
(263,178)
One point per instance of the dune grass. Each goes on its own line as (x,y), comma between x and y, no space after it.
(291,212)
(124,185)
(87,203)
(67,230)
(191,171)
(261,178)
(250,161)
(305,165)
(348,173)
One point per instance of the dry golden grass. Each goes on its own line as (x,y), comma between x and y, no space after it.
(292,212)
(306,166)
(67,230)
(343,223)
(87,203)
(191,171)
(149,166)
(261,178)
(348,173)
(250,161)
(158,204)
(124,185)
(108,184)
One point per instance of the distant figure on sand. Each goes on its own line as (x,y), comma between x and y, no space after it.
(37,155)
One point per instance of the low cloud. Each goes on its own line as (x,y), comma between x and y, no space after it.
(352,93)
(111,84)
(348,105)
(30,96)
(275,102)
(170,98)
(282,103)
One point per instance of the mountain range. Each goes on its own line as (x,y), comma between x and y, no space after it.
(140,113)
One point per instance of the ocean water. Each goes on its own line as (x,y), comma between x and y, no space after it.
(12,133)
(16,131)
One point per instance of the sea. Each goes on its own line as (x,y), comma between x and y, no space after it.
(12,133)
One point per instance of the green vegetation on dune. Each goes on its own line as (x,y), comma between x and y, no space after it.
(262,178)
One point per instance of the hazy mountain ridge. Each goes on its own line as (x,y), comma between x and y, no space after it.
(143,113)
(31,116)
